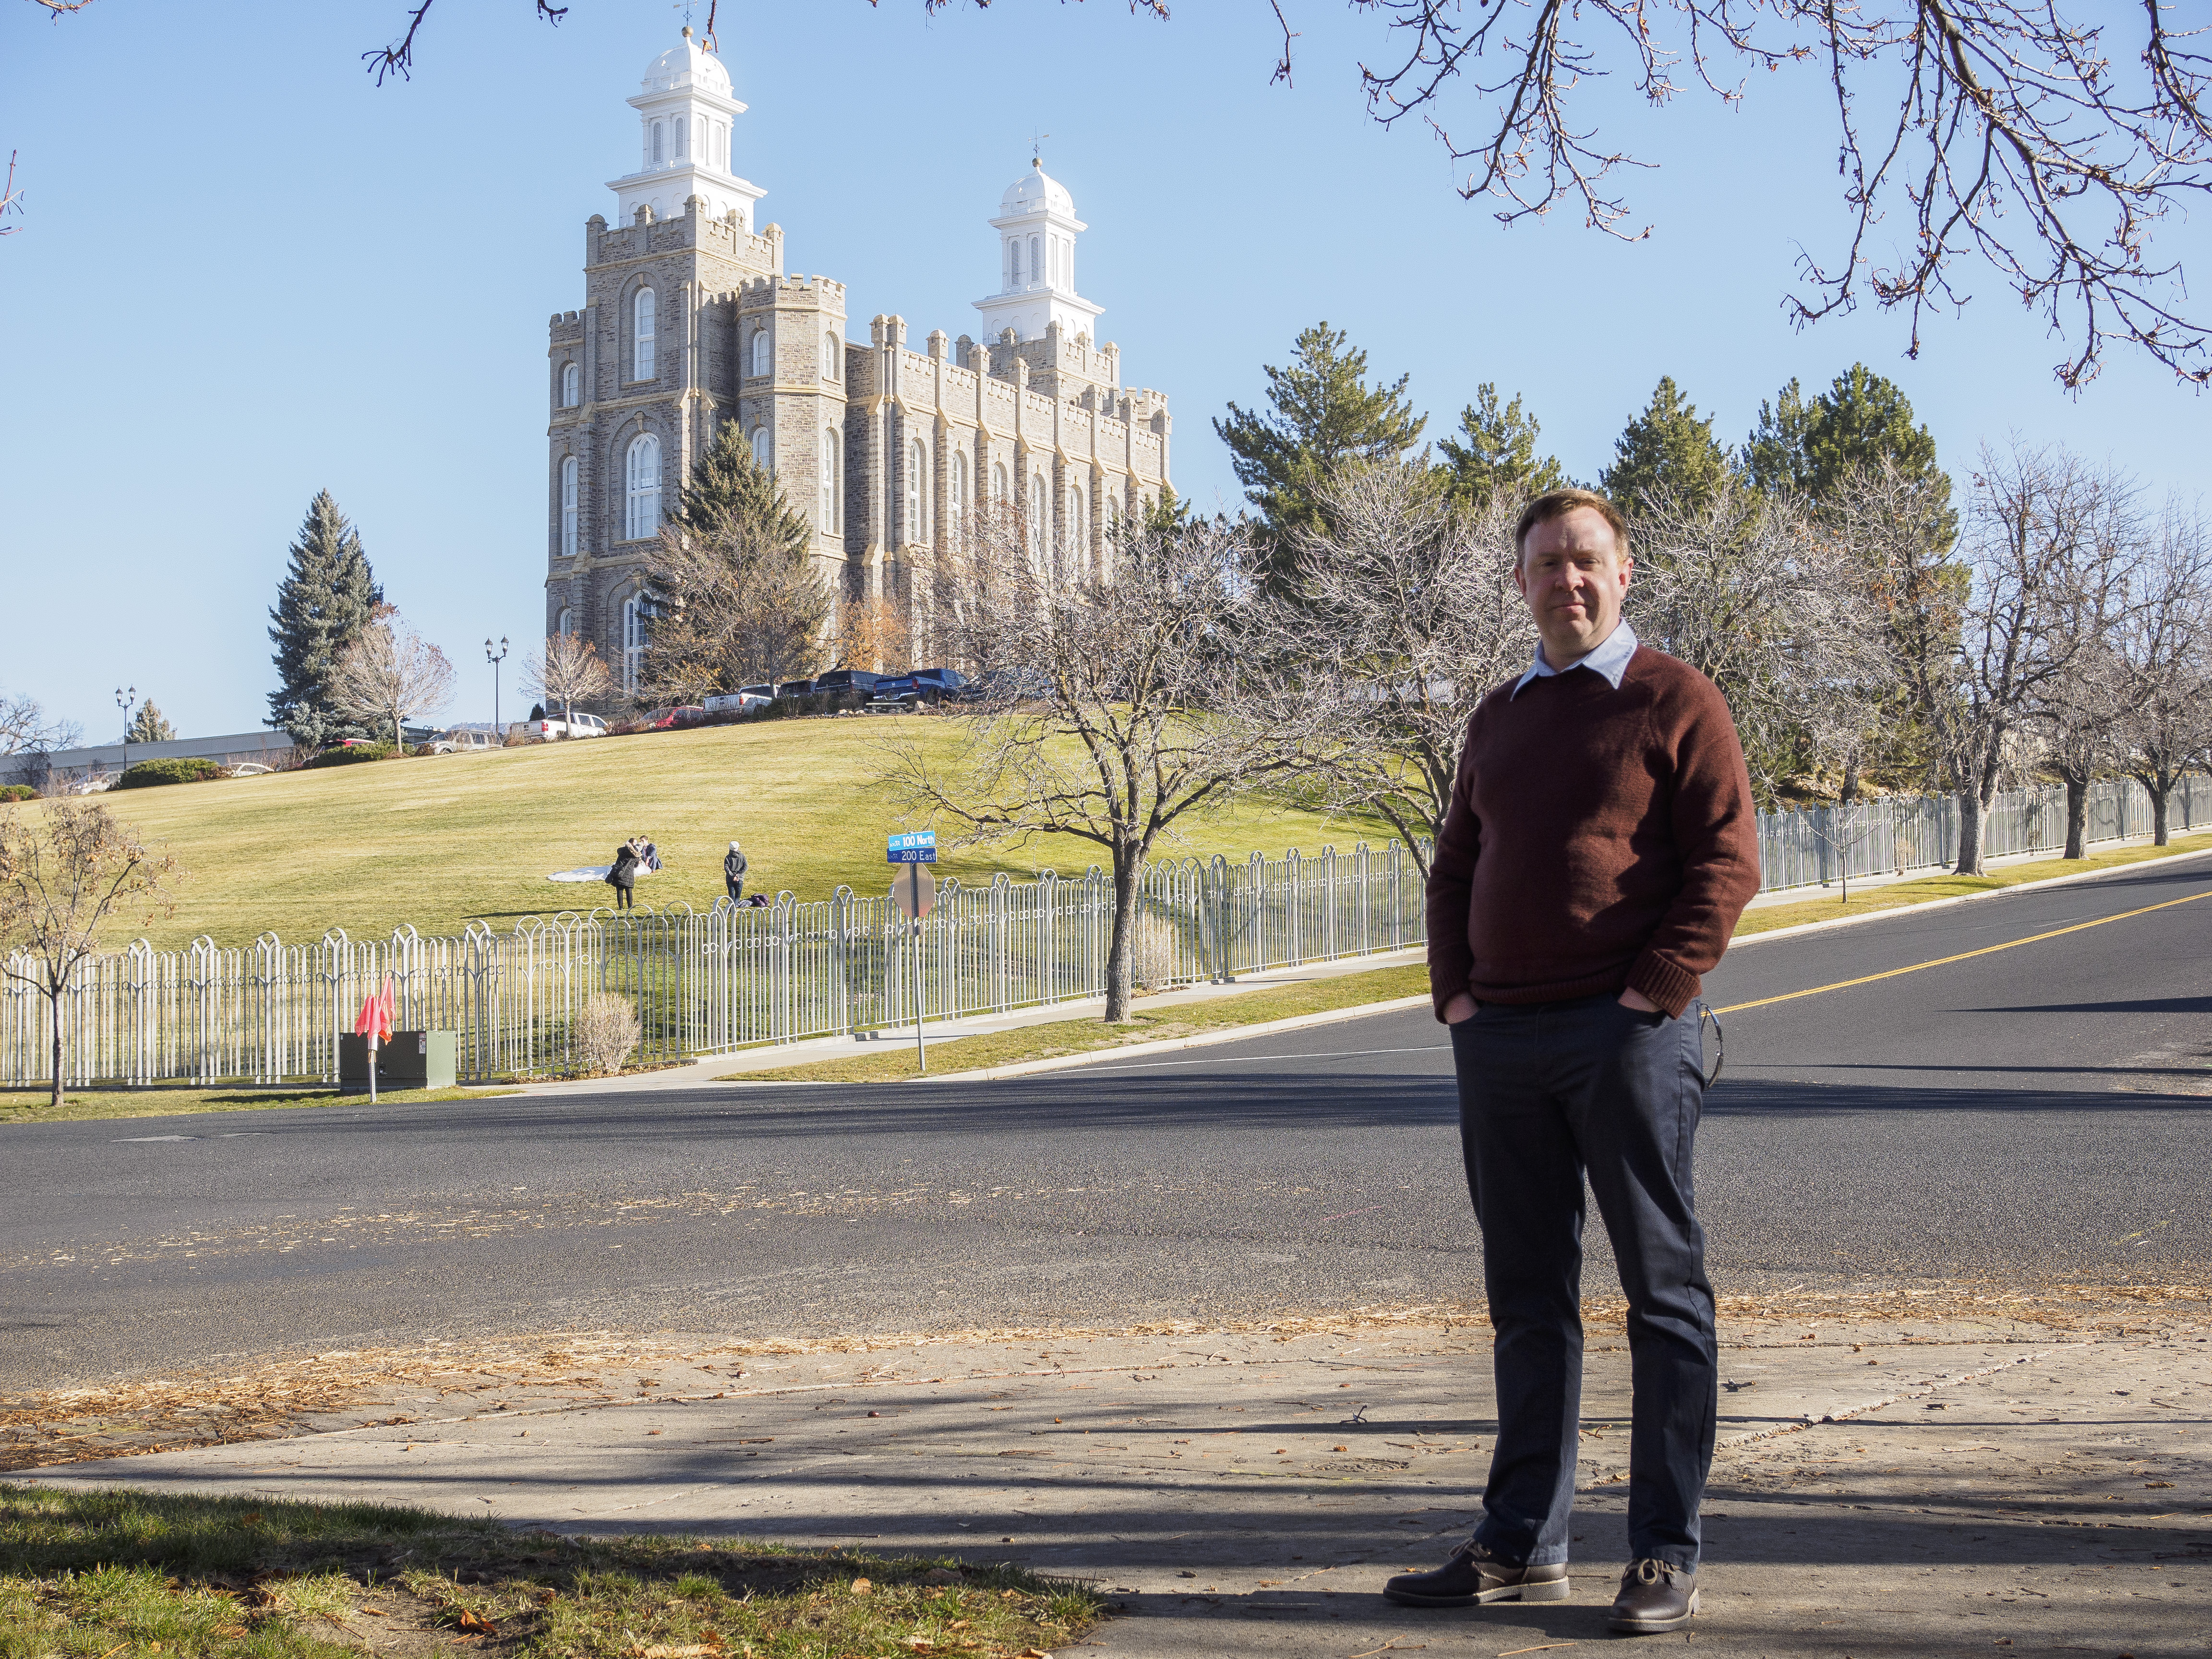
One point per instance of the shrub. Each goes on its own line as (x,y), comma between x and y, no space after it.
(18,792)
(357,753)
(1152,954)
(176,768)
(606,1031)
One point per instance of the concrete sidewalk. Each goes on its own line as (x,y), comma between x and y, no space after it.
(1879,1490)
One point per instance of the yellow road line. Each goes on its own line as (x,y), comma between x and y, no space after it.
(1963,956)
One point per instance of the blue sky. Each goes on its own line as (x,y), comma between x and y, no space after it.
(246,273)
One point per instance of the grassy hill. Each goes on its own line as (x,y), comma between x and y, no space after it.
(441,839)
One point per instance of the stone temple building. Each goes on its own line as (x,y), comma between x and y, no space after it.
(888,445)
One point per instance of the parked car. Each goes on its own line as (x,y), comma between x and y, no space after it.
(248,769)
(930,684)
(794,688)
(768,691)
(667,720)
(736,702)
(463,741)
(97,784)
(579,724)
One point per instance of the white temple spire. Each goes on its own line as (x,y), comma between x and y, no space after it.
(686,133)
(1037,228)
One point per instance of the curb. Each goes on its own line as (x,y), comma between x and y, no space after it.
(1064,1062)
(1895,910)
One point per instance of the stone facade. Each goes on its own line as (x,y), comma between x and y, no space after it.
(689,320)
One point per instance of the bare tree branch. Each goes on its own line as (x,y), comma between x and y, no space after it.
(399,58)
(2015,139)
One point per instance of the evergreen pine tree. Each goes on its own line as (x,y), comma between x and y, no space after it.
(1862,420)
(148,725)
(1668,449)
(1499,453)
(326,599)
(1325,414)
(728,489)
(736,594)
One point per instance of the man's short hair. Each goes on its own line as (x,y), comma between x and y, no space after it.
(1557,504)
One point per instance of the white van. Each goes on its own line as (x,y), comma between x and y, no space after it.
(552,729)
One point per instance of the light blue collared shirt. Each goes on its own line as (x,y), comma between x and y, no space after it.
(1610,659)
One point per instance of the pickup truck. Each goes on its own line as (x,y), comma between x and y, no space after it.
(552,729)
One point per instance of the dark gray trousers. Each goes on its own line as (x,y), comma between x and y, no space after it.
(1548,1093)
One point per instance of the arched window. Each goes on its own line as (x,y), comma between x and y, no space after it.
(642,488)
(722,146)
(829,356)
(763,452)
(569,507)
(1037,270)
(831,445)
(1078,543)
(632,642)
(1037,517)
(917,469)
(659,134)
(1013,262)
(956,500)
(641,366)
(572,385)
(566,625)
(762,352)
(998,482)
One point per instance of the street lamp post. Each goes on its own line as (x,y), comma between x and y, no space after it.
(124,698)
(495,657)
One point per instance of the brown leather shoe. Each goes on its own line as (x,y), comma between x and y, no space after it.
(1474,1576)
(1655,1596)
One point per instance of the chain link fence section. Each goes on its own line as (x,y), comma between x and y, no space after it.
(705,983)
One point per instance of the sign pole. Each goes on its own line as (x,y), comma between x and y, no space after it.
(914,886)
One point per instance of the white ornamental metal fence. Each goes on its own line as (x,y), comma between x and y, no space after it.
(706,982)
(701,982)
(1822,845)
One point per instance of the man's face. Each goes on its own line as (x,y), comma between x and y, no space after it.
(1573,575)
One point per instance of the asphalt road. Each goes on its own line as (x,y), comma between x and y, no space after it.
(2027,1114)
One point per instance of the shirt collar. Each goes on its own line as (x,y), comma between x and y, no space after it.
(1609,661)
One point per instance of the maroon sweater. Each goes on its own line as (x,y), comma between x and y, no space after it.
(1596,840)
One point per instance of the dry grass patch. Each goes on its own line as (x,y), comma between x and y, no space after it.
(126,1575)
(161,1100)
(897,1063)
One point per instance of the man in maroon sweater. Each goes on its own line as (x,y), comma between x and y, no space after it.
(1599,845)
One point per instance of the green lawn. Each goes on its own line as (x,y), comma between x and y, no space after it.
(128,1575)
(443,838)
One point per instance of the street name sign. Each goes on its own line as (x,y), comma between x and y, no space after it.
(915,847)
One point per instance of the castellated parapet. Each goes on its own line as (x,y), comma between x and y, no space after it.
(690,321)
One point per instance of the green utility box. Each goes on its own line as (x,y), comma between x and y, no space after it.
(412,1060)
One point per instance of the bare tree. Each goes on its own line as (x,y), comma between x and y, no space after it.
(1115,707)
(25,728)
(390,673)
(567,672)
(732,606)
(1406,608)
(2165,647)
(2080,719)
(2045,534)
(1745,587)
(63,872)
